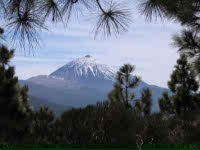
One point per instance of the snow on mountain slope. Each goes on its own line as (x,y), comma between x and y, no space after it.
(85,68)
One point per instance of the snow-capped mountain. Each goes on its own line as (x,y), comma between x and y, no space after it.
(81,82)
(82,72)
(85,68)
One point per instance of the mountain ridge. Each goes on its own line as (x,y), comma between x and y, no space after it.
(81,82)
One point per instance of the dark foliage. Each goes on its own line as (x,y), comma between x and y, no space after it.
(112,124)
(107,126)
(14,107)
(104,125)
(124,83)
(13,98)
(143,105)
(184,86)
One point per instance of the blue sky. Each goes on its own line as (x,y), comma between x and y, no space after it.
(146,45)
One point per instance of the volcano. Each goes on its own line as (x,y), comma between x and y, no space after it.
(81,82)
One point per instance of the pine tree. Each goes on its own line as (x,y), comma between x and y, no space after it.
(145,102)
(184,86)
(183,11)
(186,12)
(13,97)
(26,18)
(125,82)
(42,120)
(165,103)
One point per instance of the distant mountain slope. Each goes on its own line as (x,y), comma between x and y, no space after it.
(81,82)
(38,103)
(87,71)
(69,97)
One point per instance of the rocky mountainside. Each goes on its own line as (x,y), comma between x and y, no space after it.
(81,82)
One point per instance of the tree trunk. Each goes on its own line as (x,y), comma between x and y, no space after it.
(126,95)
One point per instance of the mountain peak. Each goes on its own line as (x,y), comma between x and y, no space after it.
(85,68)
(88,56)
